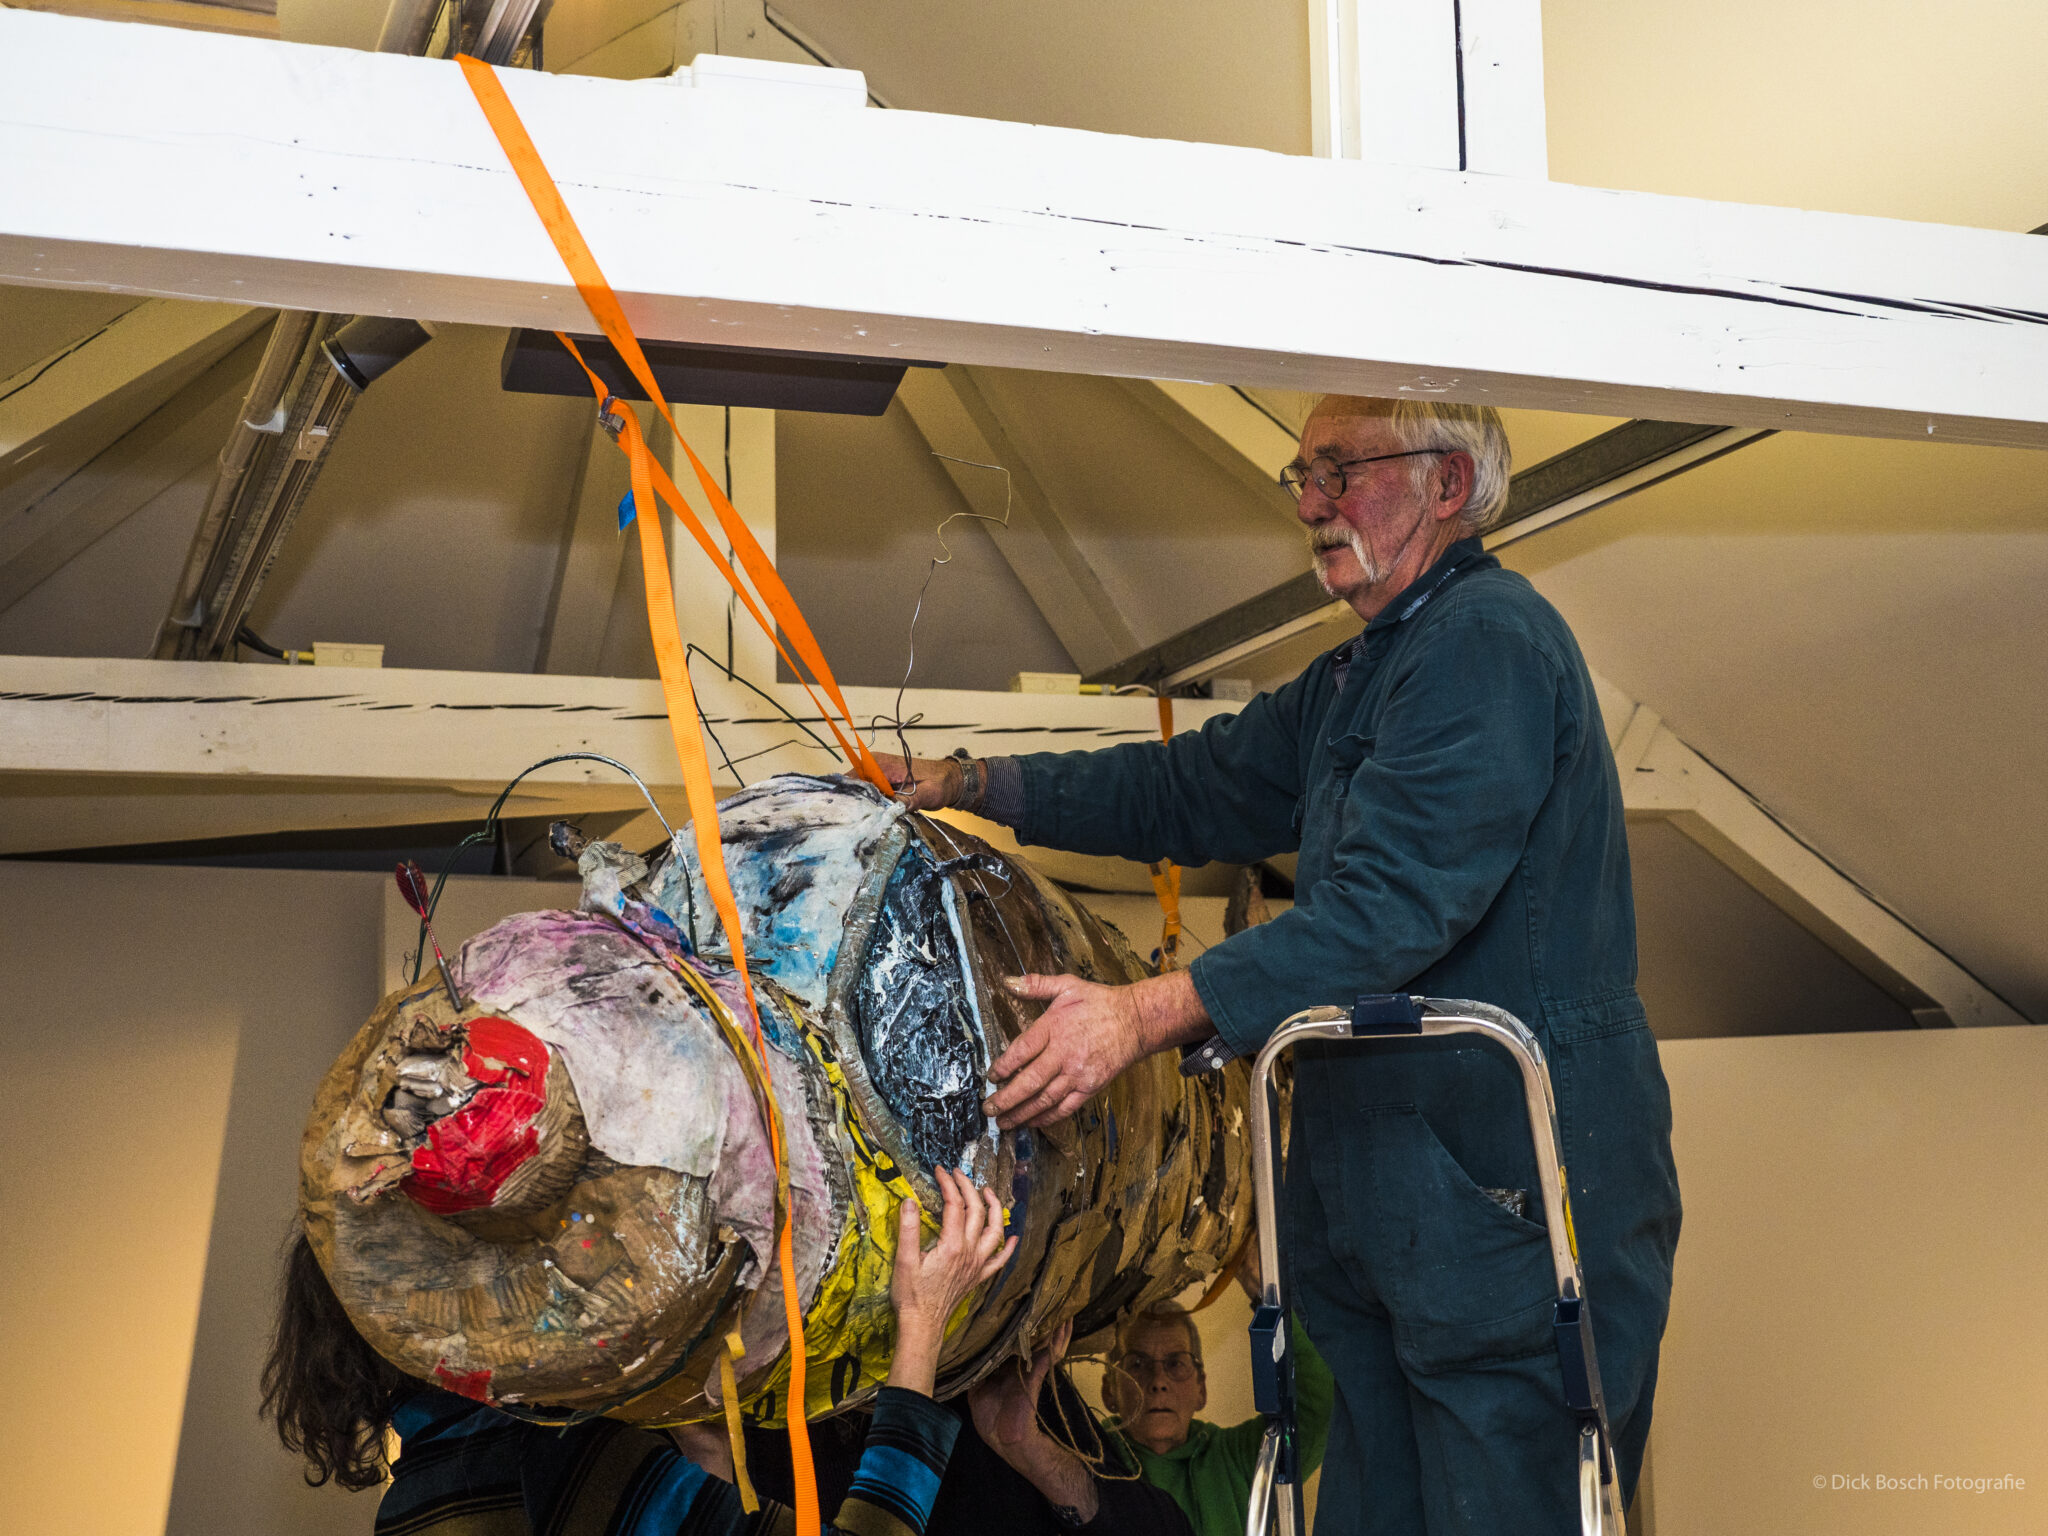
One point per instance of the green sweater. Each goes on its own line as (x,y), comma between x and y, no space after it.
(1209,1474)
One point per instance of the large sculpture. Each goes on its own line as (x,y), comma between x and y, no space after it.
(560,1198)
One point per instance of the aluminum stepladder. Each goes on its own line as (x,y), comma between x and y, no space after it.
(1276,1481)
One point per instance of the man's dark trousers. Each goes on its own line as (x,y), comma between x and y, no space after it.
(1432,1303)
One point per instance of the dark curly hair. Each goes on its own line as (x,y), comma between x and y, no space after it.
(330,1394)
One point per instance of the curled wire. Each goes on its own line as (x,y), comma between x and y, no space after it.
(489,830)
(944,557)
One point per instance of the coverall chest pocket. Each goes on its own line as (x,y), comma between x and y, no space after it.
(1464,1280)
(1316,813)
(1347,753)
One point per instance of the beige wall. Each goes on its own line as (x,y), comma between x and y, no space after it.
(111,1123)
(161,1034)
(160,1039)
(1859,1283)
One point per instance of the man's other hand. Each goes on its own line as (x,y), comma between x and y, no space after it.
(1087,1035)
(1005,1405)
(922,783)
(1005,1410)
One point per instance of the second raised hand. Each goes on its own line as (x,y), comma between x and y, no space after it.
(928,1283)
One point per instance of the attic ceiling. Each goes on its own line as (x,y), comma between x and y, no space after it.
(1847,628)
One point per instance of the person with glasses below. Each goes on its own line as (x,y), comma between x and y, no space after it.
(1445,778)
(1155,1386)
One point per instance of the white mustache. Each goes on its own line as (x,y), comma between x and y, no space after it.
(1342,536)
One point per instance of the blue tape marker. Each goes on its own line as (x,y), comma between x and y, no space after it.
(626,511)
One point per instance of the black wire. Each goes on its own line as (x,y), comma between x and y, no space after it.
(733,601)
(768,698)
(489,830)
(1248,400)
(705,722)
(484,834)
(247,636)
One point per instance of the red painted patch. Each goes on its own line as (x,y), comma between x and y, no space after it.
(470,1154)
(470,1384)
(498,1049)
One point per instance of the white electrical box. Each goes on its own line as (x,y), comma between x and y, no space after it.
(330,653)
(1046,682)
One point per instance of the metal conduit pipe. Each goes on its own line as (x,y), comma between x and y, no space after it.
(239,561)
(504,27)
(262,418)
(278,449)
(408,26)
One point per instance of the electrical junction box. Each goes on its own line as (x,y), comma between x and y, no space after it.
(1046,682)
(330,653)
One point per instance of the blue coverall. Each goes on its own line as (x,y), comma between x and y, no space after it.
(1447,781)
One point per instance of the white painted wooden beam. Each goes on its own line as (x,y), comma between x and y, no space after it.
(957,422)
(1661,777)
(159,750)
(358,182)
(1454,84)
(1500,46)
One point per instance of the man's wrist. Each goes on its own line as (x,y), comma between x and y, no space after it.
(970,787)
(1170,1011)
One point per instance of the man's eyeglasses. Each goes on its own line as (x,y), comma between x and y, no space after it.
(1327,475)
(1178,1366)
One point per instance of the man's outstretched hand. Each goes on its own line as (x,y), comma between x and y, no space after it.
(1086,1036)
(923,783)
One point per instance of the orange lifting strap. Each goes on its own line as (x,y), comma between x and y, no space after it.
(650,479)
(1166,874)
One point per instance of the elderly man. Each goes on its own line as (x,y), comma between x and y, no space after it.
(1156,1384)
(1446,779)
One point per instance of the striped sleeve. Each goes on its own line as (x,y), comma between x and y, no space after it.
(900,1467)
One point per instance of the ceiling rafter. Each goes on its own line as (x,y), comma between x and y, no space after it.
(993,242)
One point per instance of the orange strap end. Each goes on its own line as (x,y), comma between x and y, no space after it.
(672,662)
(1166,875)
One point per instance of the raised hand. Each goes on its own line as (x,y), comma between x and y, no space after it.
(1005,1410)
(1005,1406)
(923,783)
(929,1283)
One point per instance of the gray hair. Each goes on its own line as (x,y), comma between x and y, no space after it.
(1469,429)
